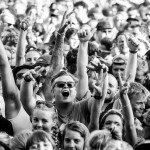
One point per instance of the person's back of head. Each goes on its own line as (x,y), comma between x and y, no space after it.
(98,139)
(118,145)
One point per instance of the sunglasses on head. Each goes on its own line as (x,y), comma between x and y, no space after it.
(61,84)
(46,103)
(20,76)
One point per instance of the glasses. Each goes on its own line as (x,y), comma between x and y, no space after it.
(20,76)
(61,84)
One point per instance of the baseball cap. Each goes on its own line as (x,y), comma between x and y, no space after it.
(119,59)
(44,60)
(104,24)
(18,68)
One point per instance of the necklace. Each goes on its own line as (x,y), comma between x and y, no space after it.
(66,118)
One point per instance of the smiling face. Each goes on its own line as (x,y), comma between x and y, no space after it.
(64,89)
(138,105)
(42,120)
(73,140)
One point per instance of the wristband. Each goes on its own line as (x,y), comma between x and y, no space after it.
(27,78)
(97,97)
(133,52)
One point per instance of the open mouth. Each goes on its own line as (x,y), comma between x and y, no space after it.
(65,93)
(108,92)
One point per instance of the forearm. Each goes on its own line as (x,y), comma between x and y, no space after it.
(131,67)
(21,47)
(57,56)
(97,107)
(131,135)
(26,96)
(82,62)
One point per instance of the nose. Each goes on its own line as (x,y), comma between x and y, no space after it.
(111,126)
(39,124)
(32,61)
(72,144)
(41,146)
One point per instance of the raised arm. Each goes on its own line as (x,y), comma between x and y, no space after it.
(21,46)
(99,95)
(10,91)
(133,45)
(130,130)
(82,62)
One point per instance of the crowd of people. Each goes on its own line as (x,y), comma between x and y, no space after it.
(74,75)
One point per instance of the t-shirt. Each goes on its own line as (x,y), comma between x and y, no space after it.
(80,112)
(21,122)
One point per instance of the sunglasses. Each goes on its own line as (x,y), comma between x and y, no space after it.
(20,76)
(61,84)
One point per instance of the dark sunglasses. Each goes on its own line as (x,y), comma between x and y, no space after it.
(61,84)
(20,76)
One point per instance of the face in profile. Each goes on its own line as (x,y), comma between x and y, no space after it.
(73,140)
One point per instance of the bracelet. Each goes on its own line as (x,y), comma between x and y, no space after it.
(27,78)
(97,97)
(133,52)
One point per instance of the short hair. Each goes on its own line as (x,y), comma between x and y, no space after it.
(81,3)
(111,112)
(77,127)
(119,145)
(70,32)
(63,73)
(37,136)
(137,89)
(98,139)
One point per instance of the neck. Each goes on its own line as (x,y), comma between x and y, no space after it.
(64,108)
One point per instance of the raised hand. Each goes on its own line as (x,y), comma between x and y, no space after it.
(66,23)
(124,86)
(25,23)
(133,43)
(85,35)
(100,74)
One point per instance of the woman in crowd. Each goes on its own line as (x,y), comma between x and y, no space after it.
(75,136)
